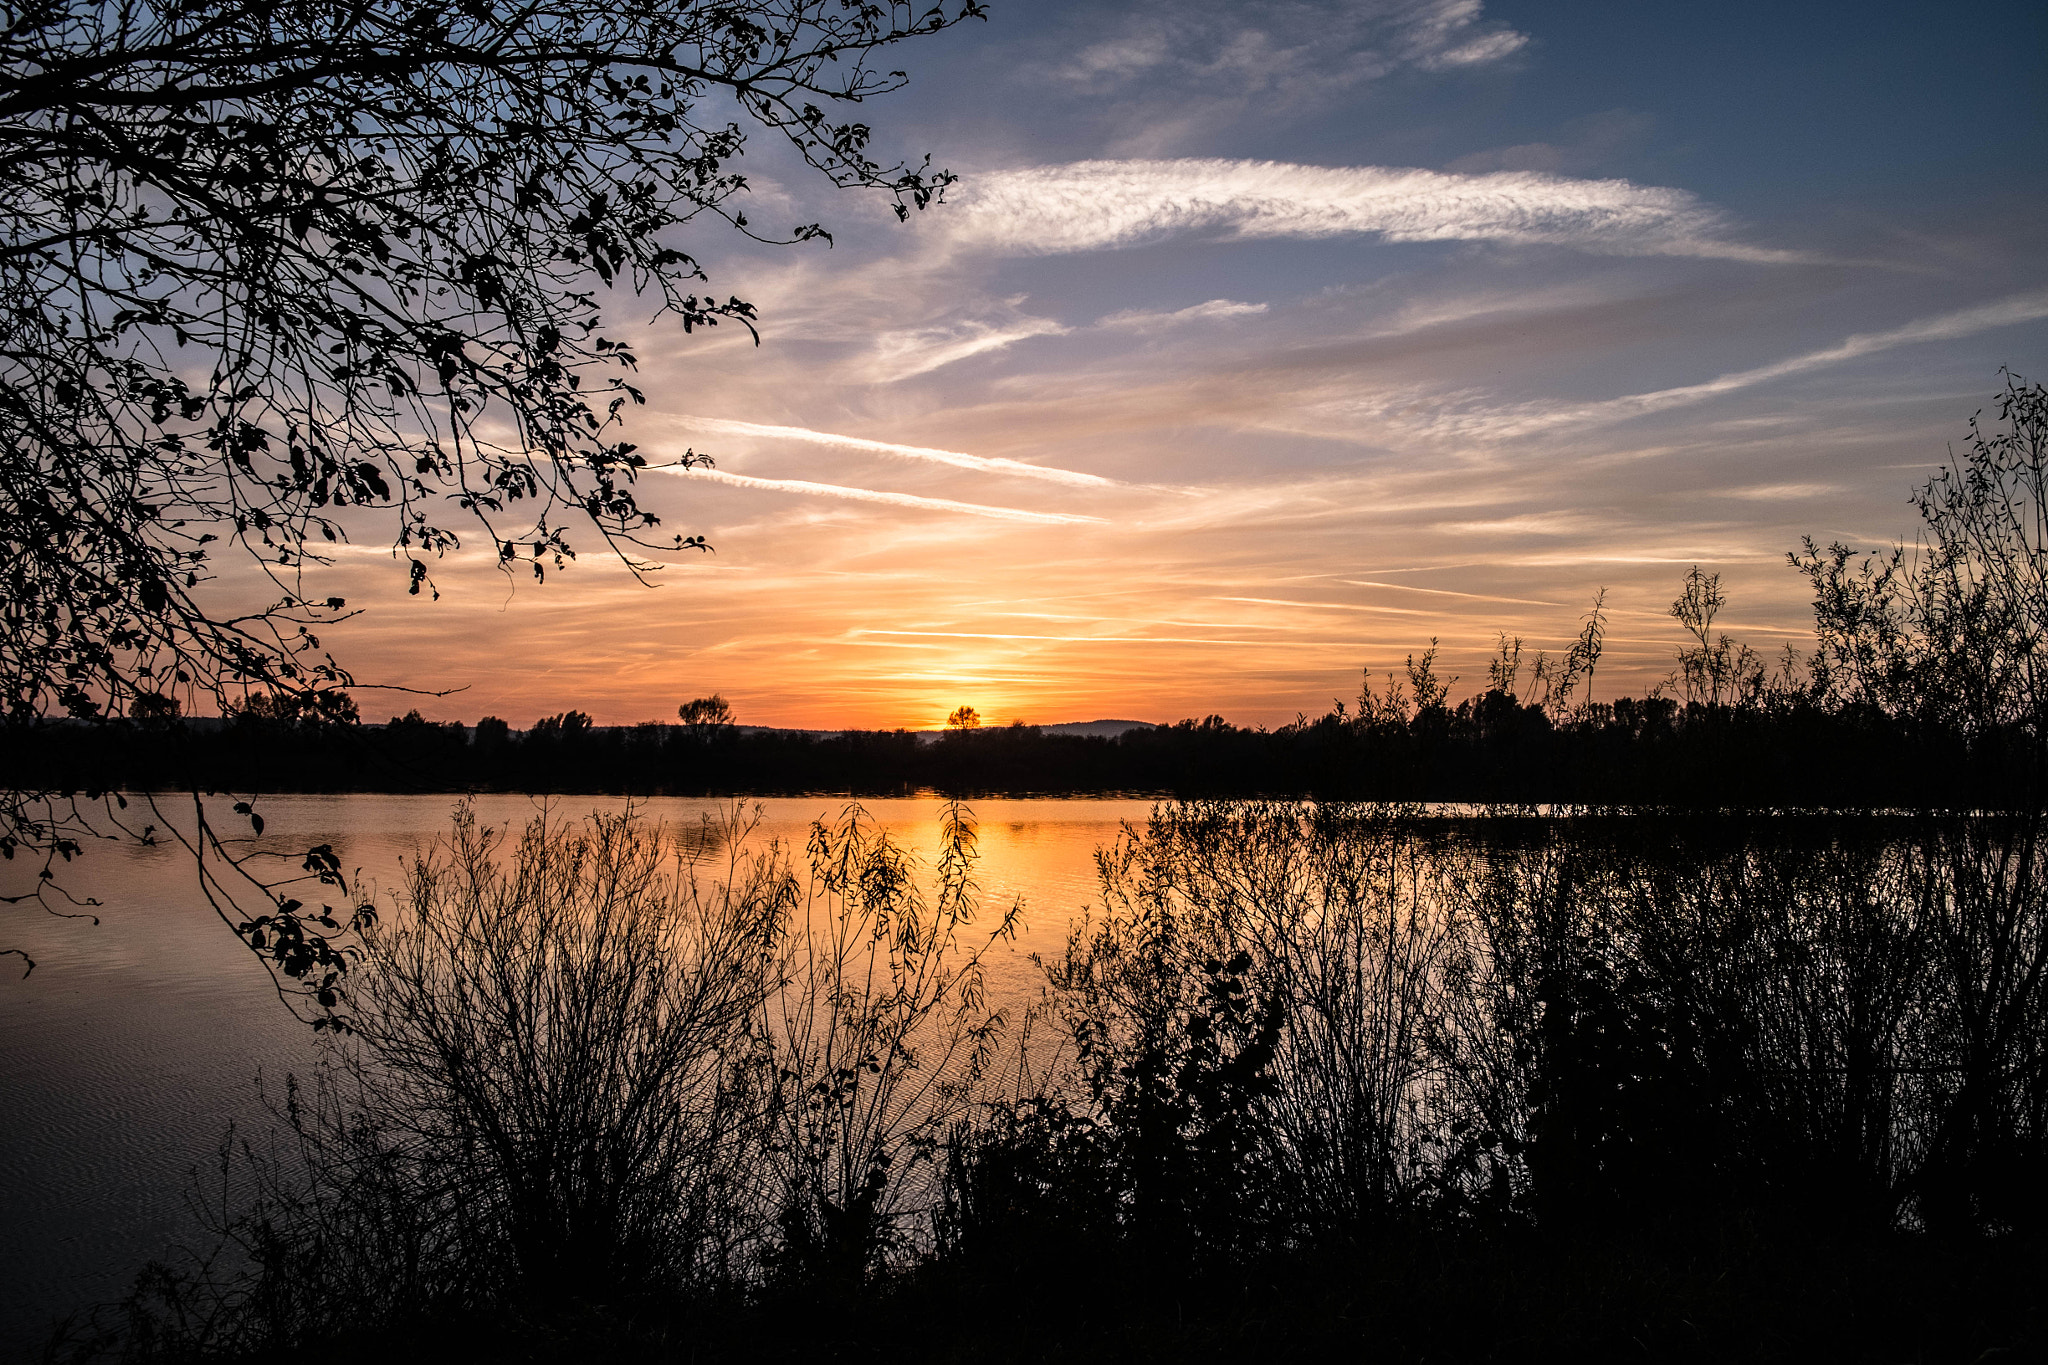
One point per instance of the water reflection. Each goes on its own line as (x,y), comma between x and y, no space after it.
(134,1043)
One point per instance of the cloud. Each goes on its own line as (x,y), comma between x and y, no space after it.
(1779,492)
(1441,34)
(1154,77)
(1487,47)
(904,355)
(1559,523)
(1138,320)
(1286,49)
(1532,418)
(1446,592)
(1115,639)
(1107,205)
(1375,608)
(833,490)
(982,463)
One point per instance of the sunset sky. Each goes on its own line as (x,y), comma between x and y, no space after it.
(1260,342)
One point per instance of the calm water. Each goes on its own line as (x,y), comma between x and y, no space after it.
(135,1043)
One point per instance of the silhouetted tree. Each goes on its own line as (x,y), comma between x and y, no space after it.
(1712,671)
(279,275)
(706,716)
(1952,630)
(564,726)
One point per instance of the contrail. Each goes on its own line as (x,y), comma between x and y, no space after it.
(1946,327)
(833,490)
(983,463)
(1529,418)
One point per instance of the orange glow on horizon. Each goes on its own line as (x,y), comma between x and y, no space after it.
(1226,509)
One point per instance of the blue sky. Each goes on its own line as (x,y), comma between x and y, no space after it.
(1260,342)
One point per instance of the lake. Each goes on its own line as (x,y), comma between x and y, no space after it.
(135,1043)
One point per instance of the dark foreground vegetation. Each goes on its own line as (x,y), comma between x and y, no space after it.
(1311,1078)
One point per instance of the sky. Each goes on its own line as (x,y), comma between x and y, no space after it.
(1263,341)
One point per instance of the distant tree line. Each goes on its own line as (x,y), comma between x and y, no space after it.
(1781,750)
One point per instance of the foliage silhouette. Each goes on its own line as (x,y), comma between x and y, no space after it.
(881,1037)
(611,1063)
(283,276)
(706,716)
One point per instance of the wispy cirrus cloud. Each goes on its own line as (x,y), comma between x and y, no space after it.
(1142,321)
(1781,492)
(907,354)
(1108,205)
(986,464)
(1181,59)
(1110,639)
(1528,419)
(875,495)
(1446,592)
(1375,608)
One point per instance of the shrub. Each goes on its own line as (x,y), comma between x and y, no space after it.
(611,1064)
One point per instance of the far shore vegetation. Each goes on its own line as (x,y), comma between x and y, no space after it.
(1777,741)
